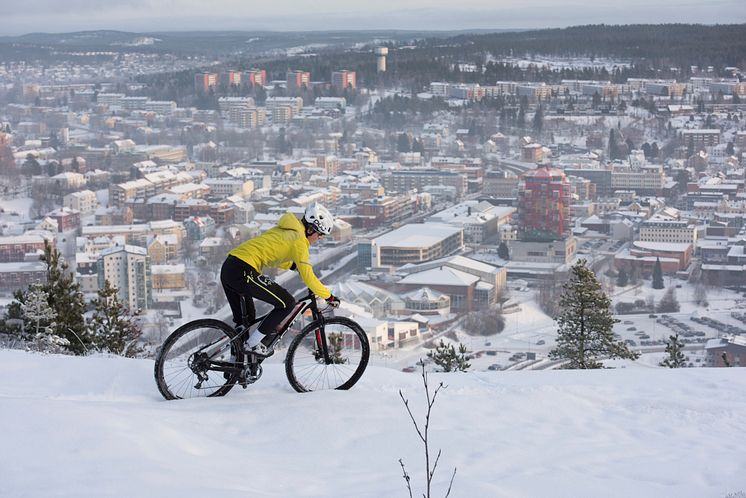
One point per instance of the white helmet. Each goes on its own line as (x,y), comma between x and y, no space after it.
(319,219)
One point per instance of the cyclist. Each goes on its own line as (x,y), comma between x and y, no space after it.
(283,246)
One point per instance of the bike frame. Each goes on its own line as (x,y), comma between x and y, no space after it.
(303,304)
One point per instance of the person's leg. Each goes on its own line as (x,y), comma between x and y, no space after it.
(235,283)
(265,289)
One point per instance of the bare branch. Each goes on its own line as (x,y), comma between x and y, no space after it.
(406,477)
(406,404)
(451,483)
(435,465)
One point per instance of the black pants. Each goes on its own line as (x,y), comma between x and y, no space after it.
(239,278)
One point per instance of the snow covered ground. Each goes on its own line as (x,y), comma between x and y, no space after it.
(96,426)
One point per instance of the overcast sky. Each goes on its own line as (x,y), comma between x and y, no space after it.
(24,16)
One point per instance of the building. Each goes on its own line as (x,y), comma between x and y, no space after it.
(330,103)
(67,219)
(19,247)
(294,103)
(168,277)
(641,257)
(228,104)
(726,351)
(84,201)
(559,251)
(644,180)
(19,275)
(162,107)
(405,180)
(500,184)
(203,82)
(297,81)
(478,219)
(344,79)
(381,53)
(697,140)
(199,227)
(128,269)
(254,77)
(655,230)
(544,204)
(416,243)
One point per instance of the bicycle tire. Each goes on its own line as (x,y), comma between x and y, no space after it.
(361,348)
(217,328)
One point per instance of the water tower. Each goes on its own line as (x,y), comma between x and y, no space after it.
(381,53)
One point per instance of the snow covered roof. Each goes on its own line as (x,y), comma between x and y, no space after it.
(662,246)
(442,275)
(167,269)
(417,235)
(424,294)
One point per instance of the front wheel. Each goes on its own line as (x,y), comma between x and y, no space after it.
(328,355)
(200,359)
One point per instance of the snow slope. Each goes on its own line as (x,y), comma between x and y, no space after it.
(97,427)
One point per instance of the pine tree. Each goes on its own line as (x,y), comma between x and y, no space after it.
(538,122)
(674,348)
(336,345)
(585,323)
(669,303)
(66,300)
(36,310)
(503,251)
(658,275)
(446,357)
(112,326)
(613,146)
(622,279)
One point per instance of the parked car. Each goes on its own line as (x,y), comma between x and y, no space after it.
(494,366)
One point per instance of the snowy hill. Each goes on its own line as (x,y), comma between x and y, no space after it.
(96,426)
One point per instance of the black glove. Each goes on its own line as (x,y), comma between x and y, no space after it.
(332,301)
(293,267)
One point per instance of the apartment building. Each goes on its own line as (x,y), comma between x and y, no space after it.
(297,80)
(84,201)
(203,82)
(645,180)
(128,269)
(697,140)
(344,79)
(254,77)
(405,180)
(15,248)
(673,231)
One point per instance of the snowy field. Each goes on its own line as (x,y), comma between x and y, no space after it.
(96,426)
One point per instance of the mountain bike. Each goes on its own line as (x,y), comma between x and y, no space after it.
(207,357)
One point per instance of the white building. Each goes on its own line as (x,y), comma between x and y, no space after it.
(128,269)
(84,201)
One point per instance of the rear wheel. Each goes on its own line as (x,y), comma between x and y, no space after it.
(348,351)
(187,363)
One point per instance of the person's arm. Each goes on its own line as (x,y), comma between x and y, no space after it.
(305,269)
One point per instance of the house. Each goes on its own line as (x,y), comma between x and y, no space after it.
(726,351)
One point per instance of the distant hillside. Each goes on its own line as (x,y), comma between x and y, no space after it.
(692,43)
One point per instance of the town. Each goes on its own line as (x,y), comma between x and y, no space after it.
(460,206)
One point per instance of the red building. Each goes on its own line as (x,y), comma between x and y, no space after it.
(343,79)
(254,77)
(204,81)
(544,204)
(296,80)
(66,218)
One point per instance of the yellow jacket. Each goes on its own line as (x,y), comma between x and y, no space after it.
(280,247)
